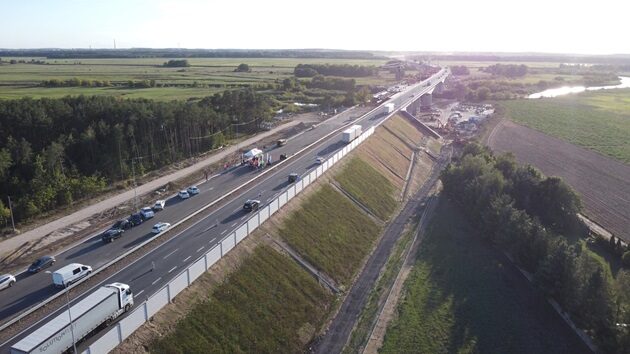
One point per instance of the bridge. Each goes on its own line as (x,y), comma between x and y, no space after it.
(423,102)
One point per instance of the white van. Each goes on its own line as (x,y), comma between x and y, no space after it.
(70,273)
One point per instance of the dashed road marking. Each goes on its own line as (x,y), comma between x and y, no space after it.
(156,280)
(224,231)
(172,269)
(170,253)
(200,248)
(187,258)
(139,292)
(233,225)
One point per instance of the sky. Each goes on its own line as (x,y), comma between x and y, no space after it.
(551,26)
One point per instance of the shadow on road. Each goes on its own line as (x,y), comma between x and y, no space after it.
(139,240)
(84,250)
(331,148)
(27,300)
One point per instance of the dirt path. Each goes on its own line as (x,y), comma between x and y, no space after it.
(85,213)
(339,330)
(375,341)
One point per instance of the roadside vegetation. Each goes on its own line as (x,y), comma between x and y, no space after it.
(331,232)
(268,305)
(369,187)
(596,120)
(533,218)
(463,297)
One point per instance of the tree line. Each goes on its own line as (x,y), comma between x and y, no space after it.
(345,70)
(56,151)
(532,218)
(507,70)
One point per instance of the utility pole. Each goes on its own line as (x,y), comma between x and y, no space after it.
(11,209)
(135,191)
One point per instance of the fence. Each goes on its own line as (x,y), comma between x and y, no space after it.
(145,310)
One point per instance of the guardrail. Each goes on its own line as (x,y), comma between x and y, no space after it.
(145,310)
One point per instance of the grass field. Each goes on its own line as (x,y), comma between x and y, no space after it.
(331,232)
(462,298)
(369,187)
(214,74)
(598,120)
(268,305)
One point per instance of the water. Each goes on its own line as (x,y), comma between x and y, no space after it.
(565,90)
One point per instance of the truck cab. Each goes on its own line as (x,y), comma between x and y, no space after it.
(125,297)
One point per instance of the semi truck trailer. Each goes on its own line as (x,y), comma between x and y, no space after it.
(351,133)
(388,108)
(56,335)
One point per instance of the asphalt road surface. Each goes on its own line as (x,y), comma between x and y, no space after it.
(182,250)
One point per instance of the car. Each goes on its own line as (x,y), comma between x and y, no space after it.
(41,263)
(183,194)
(123,224)
(6,281)
(159,205)
(111,234)
(159,227)
(281,142)
(192,190)
(293,177)
(283,157)
(147,213)
(136,219)
(320,160)
(251,205)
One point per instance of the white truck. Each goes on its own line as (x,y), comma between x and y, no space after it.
(351,133)
(55,336)
(388,108)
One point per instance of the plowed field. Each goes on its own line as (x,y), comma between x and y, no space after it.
(603,183)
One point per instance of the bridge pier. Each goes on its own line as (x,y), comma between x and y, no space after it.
(425,101)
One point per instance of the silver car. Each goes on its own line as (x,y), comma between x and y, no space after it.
(6,281)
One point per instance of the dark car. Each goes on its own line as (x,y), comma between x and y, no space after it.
(136,219)
(111,234)
(251,205)
(41,263)
(123,224)
(283,157)
(293,177)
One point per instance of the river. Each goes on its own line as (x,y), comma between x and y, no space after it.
(565,90)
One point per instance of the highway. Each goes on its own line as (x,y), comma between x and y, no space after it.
(153,270)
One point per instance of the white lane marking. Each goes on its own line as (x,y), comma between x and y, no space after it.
(224,231)
(139,292)
(213,239)
(172,269)
(156,280)
(233,225)
(200,248)
(187,258)
(170,253)
(269,199)
(237,209)
(211,188)
(244,217)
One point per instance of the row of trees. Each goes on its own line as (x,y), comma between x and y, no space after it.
(459,70)
(527,214)
(75,82)
(55,151)
(507,70)
(332,83)
(177,63)
(346,70)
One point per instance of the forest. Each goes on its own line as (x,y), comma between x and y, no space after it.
(533,218)
(345,70)
(56,151)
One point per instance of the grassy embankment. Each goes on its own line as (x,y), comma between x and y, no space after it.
(331,232)
(462,298)
(369,187)
(269,303)
(212,75)
(598,121)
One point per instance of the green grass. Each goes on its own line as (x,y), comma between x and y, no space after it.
(19,80)
(369,187)
(331,232)
(385,281)
(598,120)
(459,298)
(269,305)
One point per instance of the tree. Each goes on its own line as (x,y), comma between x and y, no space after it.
(175,63)
(556,204)
(5,213)
(556,274)
(242,68)
(625,259)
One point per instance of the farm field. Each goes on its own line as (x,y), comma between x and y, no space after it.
(603,183)
(462,296)
(599,121)
(205,76)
